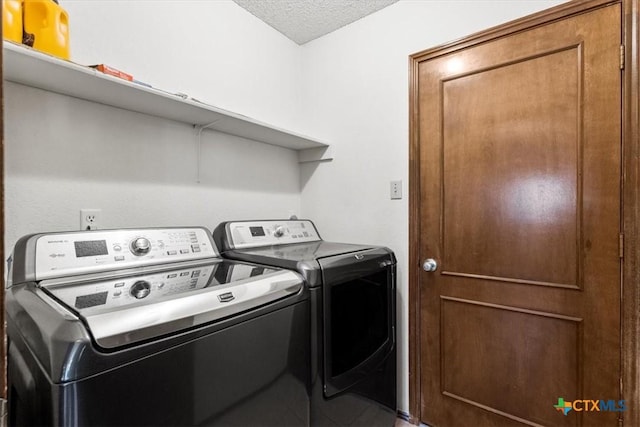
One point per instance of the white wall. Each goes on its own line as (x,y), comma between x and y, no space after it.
(63,154)
(355,94)
(214,51)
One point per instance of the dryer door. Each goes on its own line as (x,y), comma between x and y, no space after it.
(359,315)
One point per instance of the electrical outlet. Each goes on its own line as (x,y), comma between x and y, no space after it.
(396,190)
(90,219)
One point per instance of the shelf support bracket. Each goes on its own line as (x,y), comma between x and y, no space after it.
(199,129)
(319,154)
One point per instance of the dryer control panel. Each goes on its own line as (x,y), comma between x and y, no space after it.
(250,234)
(83,252)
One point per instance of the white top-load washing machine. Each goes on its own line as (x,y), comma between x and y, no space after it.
(152,327)
(352,287)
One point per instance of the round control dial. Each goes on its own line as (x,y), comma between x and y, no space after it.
(140,289)
(140,246)
(279,231)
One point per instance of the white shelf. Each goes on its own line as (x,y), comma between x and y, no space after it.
(32,68)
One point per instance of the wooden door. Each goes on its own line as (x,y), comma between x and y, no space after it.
(519,175)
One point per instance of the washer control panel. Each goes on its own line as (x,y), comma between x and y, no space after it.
(249,234)
(83,252)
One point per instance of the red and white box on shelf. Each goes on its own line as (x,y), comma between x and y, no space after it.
(106,69)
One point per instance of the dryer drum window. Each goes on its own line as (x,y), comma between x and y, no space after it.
(359,320)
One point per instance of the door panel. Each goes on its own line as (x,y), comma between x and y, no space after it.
(504,174)
(510,344)
(519,168)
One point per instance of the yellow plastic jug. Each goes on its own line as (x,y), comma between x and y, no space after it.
(48,23)
(12,20)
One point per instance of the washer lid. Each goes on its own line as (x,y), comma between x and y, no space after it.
(121,311)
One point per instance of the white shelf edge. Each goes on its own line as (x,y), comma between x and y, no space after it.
(29,67)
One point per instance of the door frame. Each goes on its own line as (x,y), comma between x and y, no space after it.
(630,163)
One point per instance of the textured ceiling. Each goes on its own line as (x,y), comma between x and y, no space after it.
(306,20)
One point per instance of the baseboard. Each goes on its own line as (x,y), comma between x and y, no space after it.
(411,420)
(4,416)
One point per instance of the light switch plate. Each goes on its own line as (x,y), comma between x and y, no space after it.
(396,190)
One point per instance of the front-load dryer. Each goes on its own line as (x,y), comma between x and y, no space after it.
(352,287)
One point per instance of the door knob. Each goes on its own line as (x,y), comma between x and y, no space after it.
(429,265)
